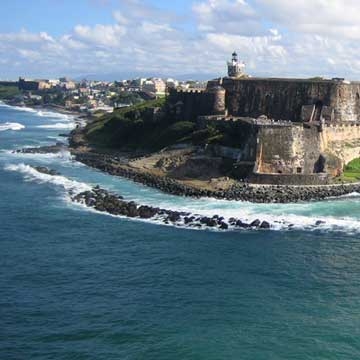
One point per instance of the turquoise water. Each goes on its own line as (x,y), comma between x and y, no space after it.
(76,284)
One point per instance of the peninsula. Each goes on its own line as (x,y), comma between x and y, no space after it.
(255,139)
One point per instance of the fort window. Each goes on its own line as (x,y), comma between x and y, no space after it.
(299,170)
(357,96)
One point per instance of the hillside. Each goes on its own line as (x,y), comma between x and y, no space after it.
(148,126)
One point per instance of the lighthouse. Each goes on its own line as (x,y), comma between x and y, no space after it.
(235,68)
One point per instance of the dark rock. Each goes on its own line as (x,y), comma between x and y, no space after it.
(132,209)
(187,220)
(146,212)
(265,225)
(51,149)
(255,223)
(103,200)
(239,223)
(174,217)
(46,170)
(224,226)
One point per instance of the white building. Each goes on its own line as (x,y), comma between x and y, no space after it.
(171,83)
(156,86)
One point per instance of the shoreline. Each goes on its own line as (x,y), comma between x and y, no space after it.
(254,193)
(81,117)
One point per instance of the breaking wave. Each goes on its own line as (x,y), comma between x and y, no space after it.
(58,126)
(302,216)
(54,115)
(307,216)
(42,113)
(63,155)
(19,108)
(11,126)
(32,174)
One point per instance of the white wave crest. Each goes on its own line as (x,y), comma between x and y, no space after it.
(290,222)
(32,174)
(19,108)
(58,126)
(42,113)
(63,155)
(11,126)
(307,216)
(55,115)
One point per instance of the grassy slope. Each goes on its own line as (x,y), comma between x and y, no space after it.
(352,170)
(8,92)
(135,128)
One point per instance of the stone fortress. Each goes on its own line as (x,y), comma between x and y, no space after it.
(296,131)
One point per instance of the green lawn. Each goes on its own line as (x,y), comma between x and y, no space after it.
(352,171)
(8,92)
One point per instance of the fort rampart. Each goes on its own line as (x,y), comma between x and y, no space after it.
(303,127)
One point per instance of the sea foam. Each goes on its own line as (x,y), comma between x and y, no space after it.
(19,108)
(11,126)
(54,115)
(42,113)
(58,126)
(31,174)
(63,155)
(286,219)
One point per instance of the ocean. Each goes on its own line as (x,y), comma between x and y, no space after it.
(78,284)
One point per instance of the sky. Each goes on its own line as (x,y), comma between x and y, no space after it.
(177,38)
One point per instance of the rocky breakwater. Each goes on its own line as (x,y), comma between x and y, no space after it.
(45,170)
(240,191)
(104,201)
(50,149)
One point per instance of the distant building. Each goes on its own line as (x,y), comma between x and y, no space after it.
(54,82)
(33,85)
(68,85)
(139,82)
(156,86)
(172,84)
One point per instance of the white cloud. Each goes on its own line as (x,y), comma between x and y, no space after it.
(230,16)
(120,18)
(274,37)
(334,18)
(26,37)
(104,35)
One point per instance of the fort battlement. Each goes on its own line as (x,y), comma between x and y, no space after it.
(296,128)
(190,91)
(297,100)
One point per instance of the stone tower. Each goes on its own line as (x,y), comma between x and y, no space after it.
(235,68)
(219,106)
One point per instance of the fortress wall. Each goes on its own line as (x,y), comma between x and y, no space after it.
(288,150)
(279,99)
(342,141)
(346,103)
(312,150)
(193,104)
(276,149)
(276,98)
